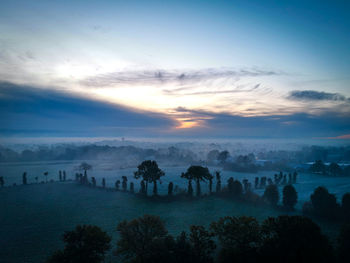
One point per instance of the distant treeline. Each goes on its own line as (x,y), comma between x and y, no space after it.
(124,154)
(229,159)
(333,169)
(243,239)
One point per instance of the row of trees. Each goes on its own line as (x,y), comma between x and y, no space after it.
(36,178)
(149,173)
(287,239)
(332,169)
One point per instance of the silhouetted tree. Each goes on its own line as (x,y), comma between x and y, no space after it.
(335,169)
(230,182)
(271,194)
(293,239)
(131,187)
(263,182)
(218,181)
(137,237)
(85,166)
(183,250)
(237,189)
(269,181)
(124,183)
(60,175)
(2,181)
(24,178)
(343,247)
(93,181)
(345,206)
(223,156)
(198,173)
(189,177)
(324,203)
(170,188)
(212,156)
(318,167)
(202,244)
(103,182)
(46,174)
(239,237)
(85,179)
(290,197)
(117,184)
(190,188)
(295,174)
(84,244)
(143,188)
(210,179)
(256,183)
(246,185)
(64,176)
(150,173)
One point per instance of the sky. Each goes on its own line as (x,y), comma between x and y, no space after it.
(240,69)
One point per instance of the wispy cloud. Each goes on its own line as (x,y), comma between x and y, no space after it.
(315,95)
(340,137)
(180,77)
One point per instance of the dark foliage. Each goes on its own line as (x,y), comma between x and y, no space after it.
(343,247)
(290,197)
(271,195)
(84,244)
(324,204)
(294,239)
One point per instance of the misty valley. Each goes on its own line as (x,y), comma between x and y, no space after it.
(177,131)
(102,185)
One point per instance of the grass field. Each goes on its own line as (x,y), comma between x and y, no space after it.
(33,217)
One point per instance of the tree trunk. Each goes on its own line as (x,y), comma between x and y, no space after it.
(198,187)
(155,190)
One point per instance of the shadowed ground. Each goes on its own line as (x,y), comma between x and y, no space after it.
(33,217)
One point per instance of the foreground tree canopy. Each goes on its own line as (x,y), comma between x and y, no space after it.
(84,244)
(241,239)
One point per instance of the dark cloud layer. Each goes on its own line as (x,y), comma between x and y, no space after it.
(299,125)
(315,95)
(29,111)
(32,111)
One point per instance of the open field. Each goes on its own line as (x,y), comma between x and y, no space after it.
(306,183)
(33,217)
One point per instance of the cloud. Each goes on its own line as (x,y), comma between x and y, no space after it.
(29,110)
(340,137)
(32,111)
(150,77)
(315,95)
(297,125)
